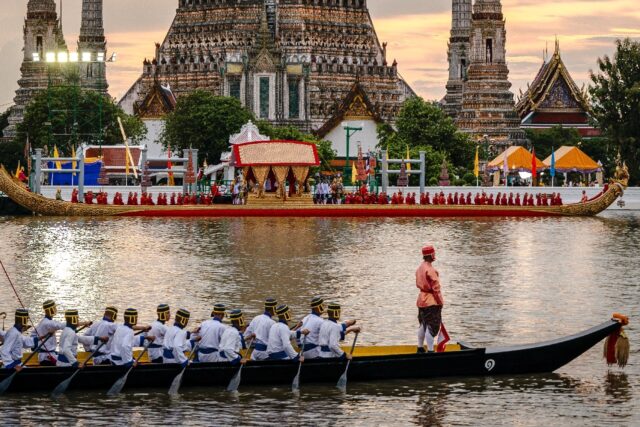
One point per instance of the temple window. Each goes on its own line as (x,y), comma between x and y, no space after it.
(234,88)
(489,51)
(463,68)
(294,99)
(39,46)
(264,98)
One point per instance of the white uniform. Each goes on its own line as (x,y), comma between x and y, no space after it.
(11,350)
(69,340)
(313,323)
(101,328)
(176,343)
(211,333)
(158,330)
(230,345)
(260,326)
(331,333)
(48,326)
(279,346)
(122,345)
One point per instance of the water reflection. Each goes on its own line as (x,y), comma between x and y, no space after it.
(505,282)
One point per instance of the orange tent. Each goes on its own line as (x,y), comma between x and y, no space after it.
(518,158)
(572,159)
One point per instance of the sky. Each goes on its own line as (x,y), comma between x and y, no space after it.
(417,32)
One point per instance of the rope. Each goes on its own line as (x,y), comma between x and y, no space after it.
(21,303)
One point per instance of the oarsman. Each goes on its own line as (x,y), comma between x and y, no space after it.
(69,339)
(105,327)
(313,322)
(332,332)
(47,354)
(177,340)
(124,339)
(258,330)
(158,330)
(14,342)
(210,333)
(232,340)
(280,336)
(430,300)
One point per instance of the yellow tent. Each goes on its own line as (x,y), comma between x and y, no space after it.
(518,158)
(572,159)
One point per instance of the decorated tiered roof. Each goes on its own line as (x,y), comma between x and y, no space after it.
(272,153)
(553,90)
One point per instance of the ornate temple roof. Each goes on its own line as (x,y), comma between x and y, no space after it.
(553,91)
(274,153)
(158,102)
(355,106)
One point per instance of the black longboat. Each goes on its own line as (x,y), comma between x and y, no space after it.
(542,357)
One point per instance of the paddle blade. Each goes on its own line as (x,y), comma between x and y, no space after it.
(61,388)
(117,387)
(4,385)
(295,385)
(342,382)
(175,385)
(235,381)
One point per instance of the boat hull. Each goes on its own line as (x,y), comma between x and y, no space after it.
(42,206)
(535,358)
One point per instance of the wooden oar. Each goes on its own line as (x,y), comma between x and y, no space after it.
(117,387)
(235,381)
(177,381)
(4,385)
(342,382)
(64,385)
(295,385)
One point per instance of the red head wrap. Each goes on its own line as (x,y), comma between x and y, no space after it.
(429,250)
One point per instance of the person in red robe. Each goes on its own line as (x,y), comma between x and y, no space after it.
(382,198)
(88,198)
(400,198)
(462,201)
(194,199)
(423,199)
(441,199)
(511,202)
(476,199)
(490,200)
(559,200)
(483,198)
(450,199)
(74,195)
(504,201)
(135,198)
(214,189)
(394,199)
(173,199)
(518,202)
(469,198)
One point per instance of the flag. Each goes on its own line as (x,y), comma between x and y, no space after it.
(73,154)
(476,164)
(505,168)
(354,173)
(387,152)
(27,154)
(553,163)
(534,165)
(55,156)
(443,339)
(17,174)
(408,158)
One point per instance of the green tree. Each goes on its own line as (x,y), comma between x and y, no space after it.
(424,126)
(11,153)
(204,121)
(615,102)
(51,116)
(546,140)
(4,121)
(325,150)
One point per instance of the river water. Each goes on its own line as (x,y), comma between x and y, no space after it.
(505,282)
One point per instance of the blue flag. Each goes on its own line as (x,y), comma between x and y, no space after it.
(553,163)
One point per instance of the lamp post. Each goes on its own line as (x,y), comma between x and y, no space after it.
(350,131)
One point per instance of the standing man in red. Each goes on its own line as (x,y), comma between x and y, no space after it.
(430,300)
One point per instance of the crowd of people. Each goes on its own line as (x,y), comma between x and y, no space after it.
(212,341)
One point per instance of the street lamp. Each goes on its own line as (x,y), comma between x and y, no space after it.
(350,131)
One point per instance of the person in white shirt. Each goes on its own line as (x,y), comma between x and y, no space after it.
(69,339)
(332,332)
(105,327)
(124,340)
(47,355)
(158,330)
(258,330)
(14,342)
(210,332)
(177,340)
(279,346)
(232,340)
(312,323)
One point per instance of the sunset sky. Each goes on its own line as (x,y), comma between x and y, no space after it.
(417,32)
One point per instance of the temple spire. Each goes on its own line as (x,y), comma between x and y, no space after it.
(458,54)
(92,46)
